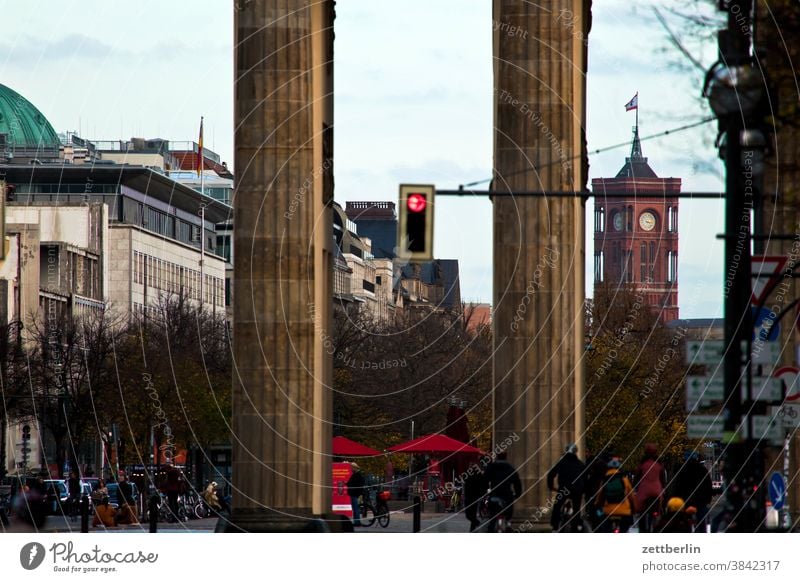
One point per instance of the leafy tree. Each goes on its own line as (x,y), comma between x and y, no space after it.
(635,373)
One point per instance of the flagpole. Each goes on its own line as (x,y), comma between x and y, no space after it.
(200,165)
(637,113)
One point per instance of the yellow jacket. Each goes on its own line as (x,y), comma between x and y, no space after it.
(626,508)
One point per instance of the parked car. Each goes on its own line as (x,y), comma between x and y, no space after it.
(56,496)
(113,493)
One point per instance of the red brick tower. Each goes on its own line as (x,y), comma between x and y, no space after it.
(636,237)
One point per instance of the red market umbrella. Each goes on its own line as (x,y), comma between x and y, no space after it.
(434,443)
(344,447)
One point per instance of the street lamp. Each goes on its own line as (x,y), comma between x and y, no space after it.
(734,90)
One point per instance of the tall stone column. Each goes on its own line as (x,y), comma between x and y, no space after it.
(540,89)
(282,404)
(779,204)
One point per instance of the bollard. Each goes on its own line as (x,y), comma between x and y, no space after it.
(85,514)
(417,514)
(152,508)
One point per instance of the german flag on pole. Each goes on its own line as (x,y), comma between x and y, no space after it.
(200,150)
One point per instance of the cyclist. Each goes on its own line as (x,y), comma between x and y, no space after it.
(617,499)
(650,482)
(504,487)
(571,474)
(677,518)
(693,484)
(474,490)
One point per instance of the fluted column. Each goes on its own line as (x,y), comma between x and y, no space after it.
(282,301)
(540,65)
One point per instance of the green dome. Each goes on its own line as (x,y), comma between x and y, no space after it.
(25,125)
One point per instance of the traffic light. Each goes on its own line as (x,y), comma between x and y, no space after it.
(415,230)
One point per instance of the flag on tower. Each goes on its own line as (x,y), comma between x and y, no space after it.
(633,103)
(200,150)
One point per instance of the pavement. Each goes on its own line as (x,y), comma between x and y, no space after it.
(399,522)
(61,524)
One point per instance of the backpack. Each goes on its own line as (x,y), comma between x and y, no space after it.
(614,489)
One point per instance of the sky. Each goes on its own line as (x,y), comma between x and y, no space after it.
(413,103)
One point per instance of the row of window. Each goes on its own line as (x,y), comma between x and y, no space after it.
(622,219)
(172,278)
(622,263)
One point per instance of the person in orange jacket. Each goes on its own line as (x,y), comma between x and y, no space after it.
(617,499)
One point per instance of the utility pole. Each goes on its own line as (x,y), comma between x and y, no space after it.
(735,89)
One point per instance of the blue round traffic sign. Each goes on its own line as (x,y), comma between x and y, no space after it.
(777,490)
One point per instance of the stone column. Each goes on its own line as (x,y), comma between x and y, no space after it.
(780,201)
(539,144)
(282,305)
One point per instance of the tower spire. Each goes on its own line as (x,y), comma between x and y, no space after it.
(636,147)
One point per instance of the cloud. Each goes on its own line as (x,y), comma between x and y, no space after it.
(29,50)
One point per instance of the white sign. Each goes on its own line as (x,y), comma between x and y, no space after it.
(767,427)
(764,269)
(704,426)
(705,390)
(764,352)
(789,376)
(705,352)
(789,415)
(768,389)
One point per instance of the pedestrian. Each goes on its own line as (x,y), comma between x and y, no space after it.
(649,484)
(74,491)
(693,485)
(104,514)
(355,489)
(127,503)
(571,475)
(173,488)
(474,491)
(617,499)
(210,497)
(100,493)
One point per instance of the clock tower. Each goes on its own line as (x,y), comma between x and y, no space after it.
(636,236)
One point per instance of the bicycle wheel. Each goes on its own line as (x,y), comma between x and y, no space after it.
(367,515)
(200,510)
(383,516)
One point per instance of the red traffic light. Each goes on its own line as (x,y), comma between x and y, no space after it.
(417,202)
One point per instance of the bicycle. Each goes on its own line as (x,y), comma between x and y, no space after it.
(498,511)
(368,515)
(382,508)
(571,519)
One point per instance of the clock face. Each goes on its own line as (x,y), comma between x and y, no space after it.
(647,221)
(618,221)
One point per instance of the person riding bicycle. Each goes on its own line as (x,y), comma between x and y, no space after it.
(571,474)
(649,483)
(693,484)
(677,518)
(474,490)
(504,487)
(617,499)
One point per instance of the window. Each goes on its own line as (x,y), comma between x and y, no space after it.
(652,261)
(643,262)
(672,266)
(598,267)
(599,219)
(629,221)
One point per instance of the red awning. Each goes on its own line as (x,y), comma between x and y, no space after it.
(434,443)
(344,447)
